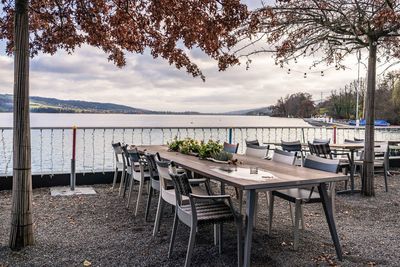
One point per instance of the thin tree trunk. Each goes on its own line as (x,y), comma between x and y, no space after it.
(21,214)
(368,166)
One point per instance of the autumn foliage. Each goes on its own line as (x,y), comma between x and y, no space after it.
(168,28)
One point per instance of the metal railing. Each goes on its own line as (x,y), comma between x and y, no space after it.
(52,147)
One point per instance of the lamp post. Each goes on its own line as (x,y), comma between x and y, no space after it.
(358,88)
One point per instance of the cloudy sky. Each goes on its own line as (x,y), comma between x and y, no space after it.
(153,84)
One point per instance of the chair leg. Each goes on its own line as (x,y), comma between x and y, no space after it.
(220,236)
(115,178)
(297,211)
(302,217)
(256,208)
(132,181)
(158,215)
(385,177)
(139,197)
(192,239)
(146,213)
(173,234)
(239,226)
(126,184)
(121,184)
(271,212)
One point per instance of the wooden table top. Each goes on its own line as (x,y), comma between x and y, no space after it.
(350,146)
(271,176)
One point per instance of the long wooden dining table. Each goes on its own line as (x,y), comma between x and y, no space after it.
(271,176)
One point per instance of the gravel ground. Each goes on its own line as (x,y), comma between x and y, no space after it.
(99,229)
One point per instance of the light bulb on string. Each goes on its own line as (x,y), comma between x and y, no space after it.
(305,74)
(288,71)
(322,73)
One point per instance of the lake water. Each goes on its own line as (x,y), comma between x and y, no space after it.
(166,121)
(52,148)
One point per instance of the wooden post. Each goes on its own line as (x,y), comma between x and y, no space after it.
(21,234)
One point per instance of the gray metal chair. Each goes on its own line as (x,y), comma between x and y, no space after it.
(140,175)
(257,151)
(300,196)
(284,157)
(294,146)
(381,162)
(231,148)
(167,192)
(321,141)
(120,162)
(202,210)
(154,181)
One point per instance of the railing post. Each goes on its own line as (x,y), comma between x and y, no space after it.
(230,135)
(334,134)
(73,174)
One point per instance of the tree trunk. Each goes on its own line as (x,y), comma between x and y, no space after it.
(21,214)
(368,166)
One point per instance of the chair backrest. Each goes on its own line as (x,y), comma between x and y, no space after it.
(152,165)
(322,164)
(252,142)
(294,146)
(320,150)
(283,157)
(117,147)
(181,186)
(257,151)
(321,141)
(231,148)
(358,139)
(163,172)
(349,141)
(125,155)
(134,155)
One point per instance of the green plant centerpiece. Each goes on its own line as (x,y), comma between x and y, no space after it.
(175,144)
(210,148)
(190,146)
(185,146)
(222,156)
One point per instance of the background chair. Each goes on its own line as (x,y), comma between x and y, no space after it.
(321,141)
(231,148)
(202,210)
(120,163)
(300,196)
(257,151)
(284,157)
(349,141)
(381,161)
(252,142)
(294,146)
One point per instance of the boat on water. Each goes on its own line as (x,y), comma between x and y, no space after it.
(377,123)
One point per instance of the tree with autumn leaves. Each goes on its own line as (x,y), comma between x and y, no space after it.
(328,31)
(167,28)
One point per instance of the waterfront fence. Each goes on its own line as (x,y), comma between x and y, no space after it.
(52,147)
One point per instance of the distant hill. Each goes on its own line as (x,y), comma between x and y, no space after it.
(265,111)
(53,105)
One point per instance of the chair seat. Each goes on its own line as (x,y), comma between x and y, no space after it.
(211,212)
(377,163)
(298,193)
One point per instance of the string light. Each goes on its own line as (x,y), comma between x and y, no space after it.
(305,74)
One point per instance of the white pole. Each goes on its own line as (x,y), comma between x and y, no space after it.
(358,89)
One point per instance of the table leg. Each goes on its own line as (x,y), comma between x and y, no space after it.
(327,205)
(216,228)
(251,197)
(351,169)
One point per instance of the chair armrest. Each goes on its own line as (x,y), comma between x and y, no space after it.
(210,196)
